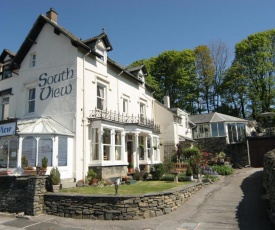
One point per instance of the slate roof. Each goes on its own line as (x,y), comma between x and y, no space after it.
(4,53)
(77,42)
(34,32)
(103,36)
(214,117)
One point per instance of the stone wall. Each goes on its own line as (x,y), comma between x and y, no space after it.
(116,207)
(237,152)
(269,182)
(22,194)
(110,171)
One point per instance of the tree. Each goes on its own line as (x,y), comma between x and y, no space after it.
(257,56)
(234,92)
(205,74)
(220,56)
(175,73)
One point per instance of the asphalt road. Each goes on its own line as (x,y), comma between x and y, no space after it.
(234,202)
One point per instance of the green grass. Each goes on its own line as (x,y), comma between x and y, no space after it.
(141,187)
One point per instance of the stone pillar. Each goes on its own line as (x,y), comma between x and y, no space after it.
(35,195)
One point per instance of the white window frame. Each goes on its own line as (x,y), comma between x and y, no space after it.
(142,110)
(125,106)
(31,100)
(101,97)
(5,108)
(33,60)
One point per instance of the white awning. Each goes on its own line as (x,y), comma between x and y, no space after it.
(43,125)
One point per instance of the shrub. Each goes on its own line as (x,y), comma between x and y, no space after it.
(157,171)
(90,176)
(55,176)
(24,162)
(170,177)
(189,171)
(168,165)
(208,170)
(139,175)
(44,163)
(223,169)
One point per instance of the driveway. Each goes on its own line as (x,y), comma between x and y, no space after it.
(235,202)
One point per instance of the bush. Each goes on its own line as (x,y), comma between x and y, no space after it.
(170,177)
(189,171)
(139,175)
(44,163)
(223,169)
(157,171)
(24,162)
(168,165)
(55,176)
(90,176)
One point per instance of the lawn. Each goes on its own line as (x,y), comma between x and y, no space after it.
(141,187)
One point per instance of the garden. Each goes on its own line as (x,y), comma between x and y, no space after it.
(188,165)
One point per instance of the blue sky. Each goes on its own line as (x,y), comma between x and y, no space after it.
(140,29)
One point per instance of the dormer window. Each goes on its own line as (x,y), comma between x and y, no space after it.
(7,72)
(101,50)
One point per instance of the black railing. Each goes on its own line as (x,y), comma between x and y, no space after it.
(121,118)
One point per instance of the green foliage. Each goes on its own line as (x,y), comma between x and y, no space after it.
(44,162)
(170,177)
(55,176)
(189,171)
(157,171)
(205,73)
(90,176)
(168,165)
(256,56)
(139,175)
(223,169)
(24,162)
(130,165)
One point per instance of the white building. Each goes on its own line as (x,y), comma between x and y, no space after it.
(175,125)
(74,105)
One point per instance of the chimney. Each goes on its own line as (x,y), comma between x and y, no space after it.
(166,100)
(52,15)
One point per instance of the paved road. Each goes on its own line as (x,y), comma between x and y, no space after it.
(235,202)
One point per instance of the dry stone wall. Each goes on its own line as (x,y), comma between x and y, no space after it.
(269,182)
(116,207)
(22,194)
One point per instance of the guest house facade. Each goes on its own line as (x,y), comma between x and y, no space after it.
(64,98)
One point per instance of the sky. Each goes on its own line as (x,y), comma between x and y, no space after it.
(141,29)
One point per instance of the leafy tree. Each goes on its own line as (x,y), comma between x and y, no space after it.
(234,92)
(176,76)
(257,56)
(205,73)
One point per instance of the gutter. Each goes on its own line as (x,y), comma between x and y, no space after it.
(84,117)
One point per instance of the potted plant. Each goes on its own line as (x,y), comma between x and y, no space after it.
(55,179)
(44,166)
(91,177)
(189,173)
(28,170)
(130,167)
(155,147)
